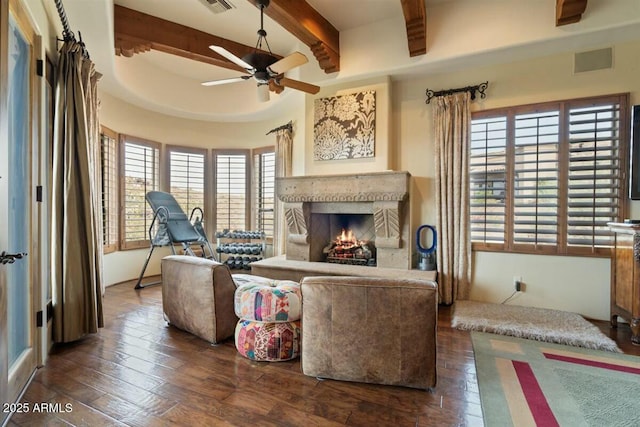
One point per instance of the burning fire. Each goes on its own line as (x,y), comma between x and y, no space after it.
(347,249)
(347,239)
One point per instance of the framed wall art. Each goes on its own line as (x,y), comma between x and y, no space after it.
(345,126)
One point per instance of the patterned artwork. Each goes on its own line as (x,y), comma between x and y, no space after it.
(344,126)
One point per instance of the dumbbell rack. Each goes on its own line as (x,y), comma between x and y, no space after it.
(238,249)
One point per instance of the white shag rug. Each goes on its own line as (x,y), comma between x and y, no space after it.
(539,324)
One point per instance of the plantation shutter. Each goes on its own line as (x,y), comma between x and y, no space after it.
(231,190)
(140,174)
(488,169)
(108,159)
(535,177)
(547,178)
(264,189)
(594,174)
(187,177)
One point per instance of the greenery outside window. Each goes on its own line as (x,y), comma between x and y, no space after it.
(264,180)
(109,167)
(187,171)
(231,189)
(546,178)
(139,174)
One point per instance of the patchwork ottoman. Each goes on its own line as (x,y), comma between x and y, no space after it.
(269,325)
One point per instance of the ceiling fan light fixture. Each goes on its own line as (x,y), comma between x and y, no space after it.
(265,68)
(263,92)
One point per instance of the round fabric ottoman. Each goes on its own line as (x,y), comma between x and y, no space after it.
(268,341)
(269,325)
(268,300)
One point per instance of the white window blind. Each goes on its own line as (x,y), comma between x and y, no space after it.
(547,178)
(231,190)
(140,171)
(535,197)
(595,172)
(108,160)
(487,176)
(264,169)
(187,177)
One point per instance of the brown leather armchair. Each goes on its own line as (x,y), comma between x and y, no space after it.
(197,296)
(370,330)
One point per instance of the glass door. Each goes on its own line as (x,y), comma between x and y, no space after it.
(17,319)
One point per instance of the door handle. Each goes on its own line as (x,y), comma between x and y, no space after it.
(6,258)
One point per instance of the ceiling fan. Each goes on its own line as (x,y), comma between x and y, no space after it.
(267,70)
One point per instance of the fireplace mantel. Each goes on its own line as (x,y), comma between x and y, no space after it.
(370,187)
(384,195)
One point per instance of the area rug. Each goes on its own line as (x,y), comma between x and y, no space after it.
(528,383)
(539,324)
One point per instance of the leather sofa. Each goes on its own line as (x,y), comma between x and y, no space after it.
(370,330)
(197,297)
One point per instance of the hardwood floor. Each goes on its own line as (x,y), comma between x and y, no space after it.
(138,371)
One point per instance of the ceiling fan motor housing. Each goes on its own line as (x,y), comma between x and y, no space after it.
(260,62)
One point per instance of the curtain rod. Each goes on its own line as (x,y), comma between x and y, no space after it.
(67,34)
(288,126)
(472,89)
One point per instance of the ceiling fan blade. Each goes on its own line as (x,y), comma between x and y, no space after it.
(298,85)
(225,81)
(294,60)
(231,57)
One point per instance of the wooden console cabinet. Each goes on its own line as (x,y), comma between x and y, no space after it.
(625,277)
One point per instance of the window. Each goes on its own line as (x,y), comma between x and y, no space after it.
(186,170)
(109,164)
(264,180)
(231,189)
(547,178)
(140,174)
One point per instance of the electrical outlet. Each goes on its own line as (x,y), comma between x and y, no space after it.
(517,284)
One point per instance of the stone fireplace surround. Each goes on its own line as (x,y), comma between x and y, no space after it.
(383,195)
(306,200)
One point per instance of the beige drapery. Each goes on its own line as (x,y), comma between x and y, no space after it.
(76,214)
(452,119)
(284,162)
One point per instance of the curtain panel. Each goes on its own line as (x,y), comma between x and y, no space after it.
(284,162)
(76,199)
(452,127)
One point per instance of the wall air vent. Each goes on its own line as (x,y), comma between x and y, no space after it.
(219,6)
(600,59)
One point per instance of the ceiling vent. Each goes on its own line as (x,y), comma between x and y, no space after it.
(219,6)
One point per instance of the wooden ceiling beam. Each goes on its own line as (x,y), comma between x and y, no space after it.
(415,17)
(311,28)
(569,11)
(137,32)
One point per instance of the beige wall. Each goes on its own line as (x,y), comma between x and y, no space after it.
(404,142)
(382,159)
(569,283)
(128,119)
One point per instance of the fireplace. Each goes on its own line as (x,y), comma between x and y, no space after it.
(374,206)
(350,238)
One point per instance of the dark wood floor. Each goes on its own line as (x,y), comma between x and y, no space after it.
(138,371)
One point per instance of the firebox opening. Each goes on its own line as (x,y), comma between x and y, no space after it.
(349,239)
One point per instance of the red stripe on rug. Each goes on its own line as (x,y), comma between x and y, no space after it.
(603,365)
(538,405)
